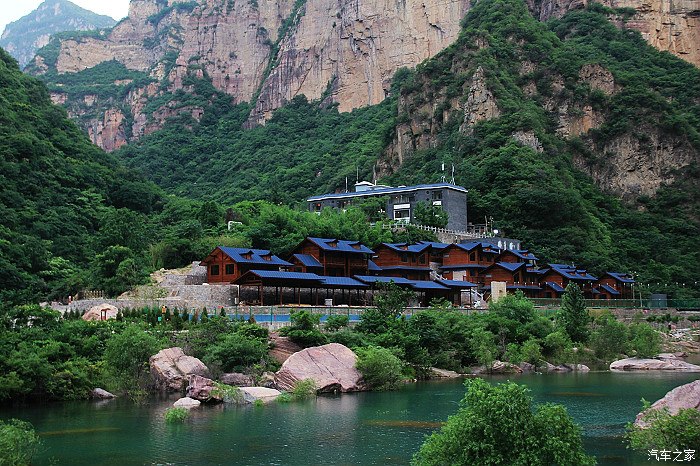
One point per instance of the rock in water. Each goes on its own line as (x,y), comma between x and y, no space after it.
(187,403)
(101,394)
(500,367)
(170,368)
(253,394)
(101,312)
(444,373)
(331,367)
(636,364)
(237,379)
(683,397)
(202,389)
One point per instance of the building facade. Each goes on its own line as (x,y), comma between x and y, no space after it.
(402,201)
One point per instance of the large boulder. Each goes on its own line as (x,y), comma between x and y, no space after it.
(187,403)
(282,347)
(101,394)
(202,389)
(683,397)
(501,367)
(171,366)
(253,394)
(237,379)
(101,312)
(638,364)
(438,373)
(331,367)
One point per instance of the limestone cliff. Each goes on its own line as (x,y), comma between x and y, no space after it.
(344,51)
(671,25)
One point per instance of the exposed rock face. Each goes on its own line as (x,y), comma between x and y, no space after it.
(636,364)
(282,347)
(237,379)
(480,105)
(684,397)
(346,52)
(253,394)
(331,367)
(101,312)
(672,25)
(187,403)
(170,368)
(202,389)
(101,394)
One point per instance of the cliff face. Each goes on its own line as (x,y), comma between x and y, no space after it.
(345,51)
(671,25)
(22,38)
(630,137)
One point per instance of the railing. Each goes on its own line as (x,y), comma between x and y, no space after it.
(479,231)
(688,304)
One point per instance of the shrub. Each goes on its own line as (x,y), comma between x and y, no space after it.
(228,393)
(491,416)
(573,316)
(380,368)
(531,352)
(676,432)
(176,415)
(644,340)
(127,354)
(610,338)
(18,442)
(304,329)
(234,353)
(336,322)
(304,389)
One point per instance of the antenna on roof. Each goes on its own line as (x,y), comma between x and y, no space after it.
(346,184)
(357,177)
(452,180)
(442,178)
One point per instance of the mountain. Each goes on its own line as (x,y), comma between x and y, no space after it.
(58,192)
(265,53)
(575,135)
(22,38)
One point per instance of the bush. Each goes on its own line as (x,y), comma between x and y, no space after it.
(336,322)
(304,329)
(235,353)
(573,316)
(176,415)
(380,368)
(676,432)
(303,389)
(227,393)
(18,442)
(531,352)
(491,416)
(127,354)
(645,341)
(610,338)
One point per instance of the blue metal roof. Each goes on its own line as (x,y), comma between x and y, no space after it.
(427,285)
(470,245)
(523,254)
(435,245)
(512,266)
(405,247)
(609,289)
(342,282)
(457,283)
(621,277)
(380,279)
(341,245)
(308,260)
(386,191)
(276,274)
(523,287)
(373,267)
(555,287)
(256,256)
(571,272)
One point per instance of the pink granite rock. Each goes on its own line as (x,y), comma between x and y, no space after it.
(638,364)
(331,367)
(202,389)
(683,397)
(170,368)
(101,312)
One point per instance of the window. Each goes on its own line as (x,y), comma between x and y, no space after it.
(421,260)
(472,256)
(230,269)
(437,195)
(404,257)
(214,269)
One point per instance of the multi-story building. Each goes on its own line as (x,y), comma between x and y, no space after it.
(401,201)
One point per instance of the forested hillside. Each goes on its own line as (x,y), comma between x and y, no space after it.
(582,108)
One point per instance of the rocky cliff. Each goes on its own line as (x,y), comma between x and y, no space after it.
(22,38)
(264,52)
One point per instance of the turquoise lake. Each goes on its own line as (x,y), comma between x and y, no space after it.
(363,428)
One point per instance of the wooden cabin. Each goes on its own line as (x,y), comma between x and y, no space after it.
(615,285)
(516,275)
(225,264)
(558,276)
(338,258)
(515,256)
(410,261)
(466,261)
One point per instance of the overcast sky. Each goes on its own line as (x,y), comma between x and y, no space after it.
(12,10)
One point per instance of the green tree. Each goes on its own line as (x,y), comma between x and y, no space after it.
(609,338)
(573,316)
(664,431)
(18,443)
(304,329)
(380,368)
(492,416)
(644,340)
(430,215)
(127,354)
